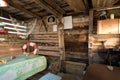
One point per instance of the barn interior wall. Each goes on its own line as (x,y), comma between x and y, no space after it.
(76,40)
(106,37)
(10,44)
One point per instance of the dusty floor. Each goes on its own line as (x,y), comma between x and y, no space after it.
(63,75)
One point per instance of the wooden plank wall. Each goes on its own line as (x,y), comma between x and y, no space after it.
(38,27)
(50,43)
(101,43)
(47,42)
(76,45)
(105,39)
(11,45)
(76,40)
(110,26)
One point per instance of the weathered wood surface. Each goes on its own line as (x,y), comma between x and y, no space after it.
(56,6)
(103,3)
(11,39)
(75,68)
(101,43)
(75,32)
(49,43)
(90,56)
(77,5)
(76,43)
(44,41)
(110,26)
(76,38)
(44,36)
(61,43)
(44,5)
(10,50)
(66,76)
(76,48)
(52,48)
(49,53)
(107,40)
(45,33)
(16,4)
(80,24)
(77,55)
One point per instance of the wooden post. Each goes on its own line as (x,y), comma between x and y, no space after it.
(61,43)
(90,56)
(61,46)
(90,21)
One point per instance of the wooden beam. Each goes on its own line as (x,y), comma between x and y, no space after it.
(76,5)
(86,4)
(49,53)
(90,21)
(46,6)
(90,55)
(54,48)
(61,43)
(44,38)
(53,4)
(15,4)
(5,14)
(106,8)
(44,25)
(45,33)
(62,48)
(50,37)
(45,41)
(103,3)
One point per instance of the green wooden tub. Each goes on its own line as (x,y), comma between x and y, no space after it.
(22,67)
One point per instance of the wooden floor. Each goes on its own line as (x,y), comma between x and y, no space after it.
(73,71)
(37,76)
(64,76)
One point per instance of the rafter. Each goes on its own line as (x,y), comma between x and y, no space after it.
(15,4)
(107,8)
(53,4)
(46,6)
(86,4)
(103,3)
(77,5)
(5,13)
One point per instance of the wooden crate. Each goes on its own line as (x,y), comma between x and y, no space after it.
(74,68)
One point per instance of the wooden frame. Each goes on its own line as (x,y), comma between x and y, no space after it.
(51,20)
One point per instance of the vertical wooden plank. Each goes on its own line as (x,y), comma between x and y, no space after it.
(61,46)
(90,21)
(61,43)
(90,56)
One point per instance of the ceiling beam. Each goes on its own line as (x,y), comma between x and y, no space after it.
(86,4)
(106,8)
(53,4)
(5,14)
(111,3)
(15,4)
(47,7)
(76,5)
(103,3)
